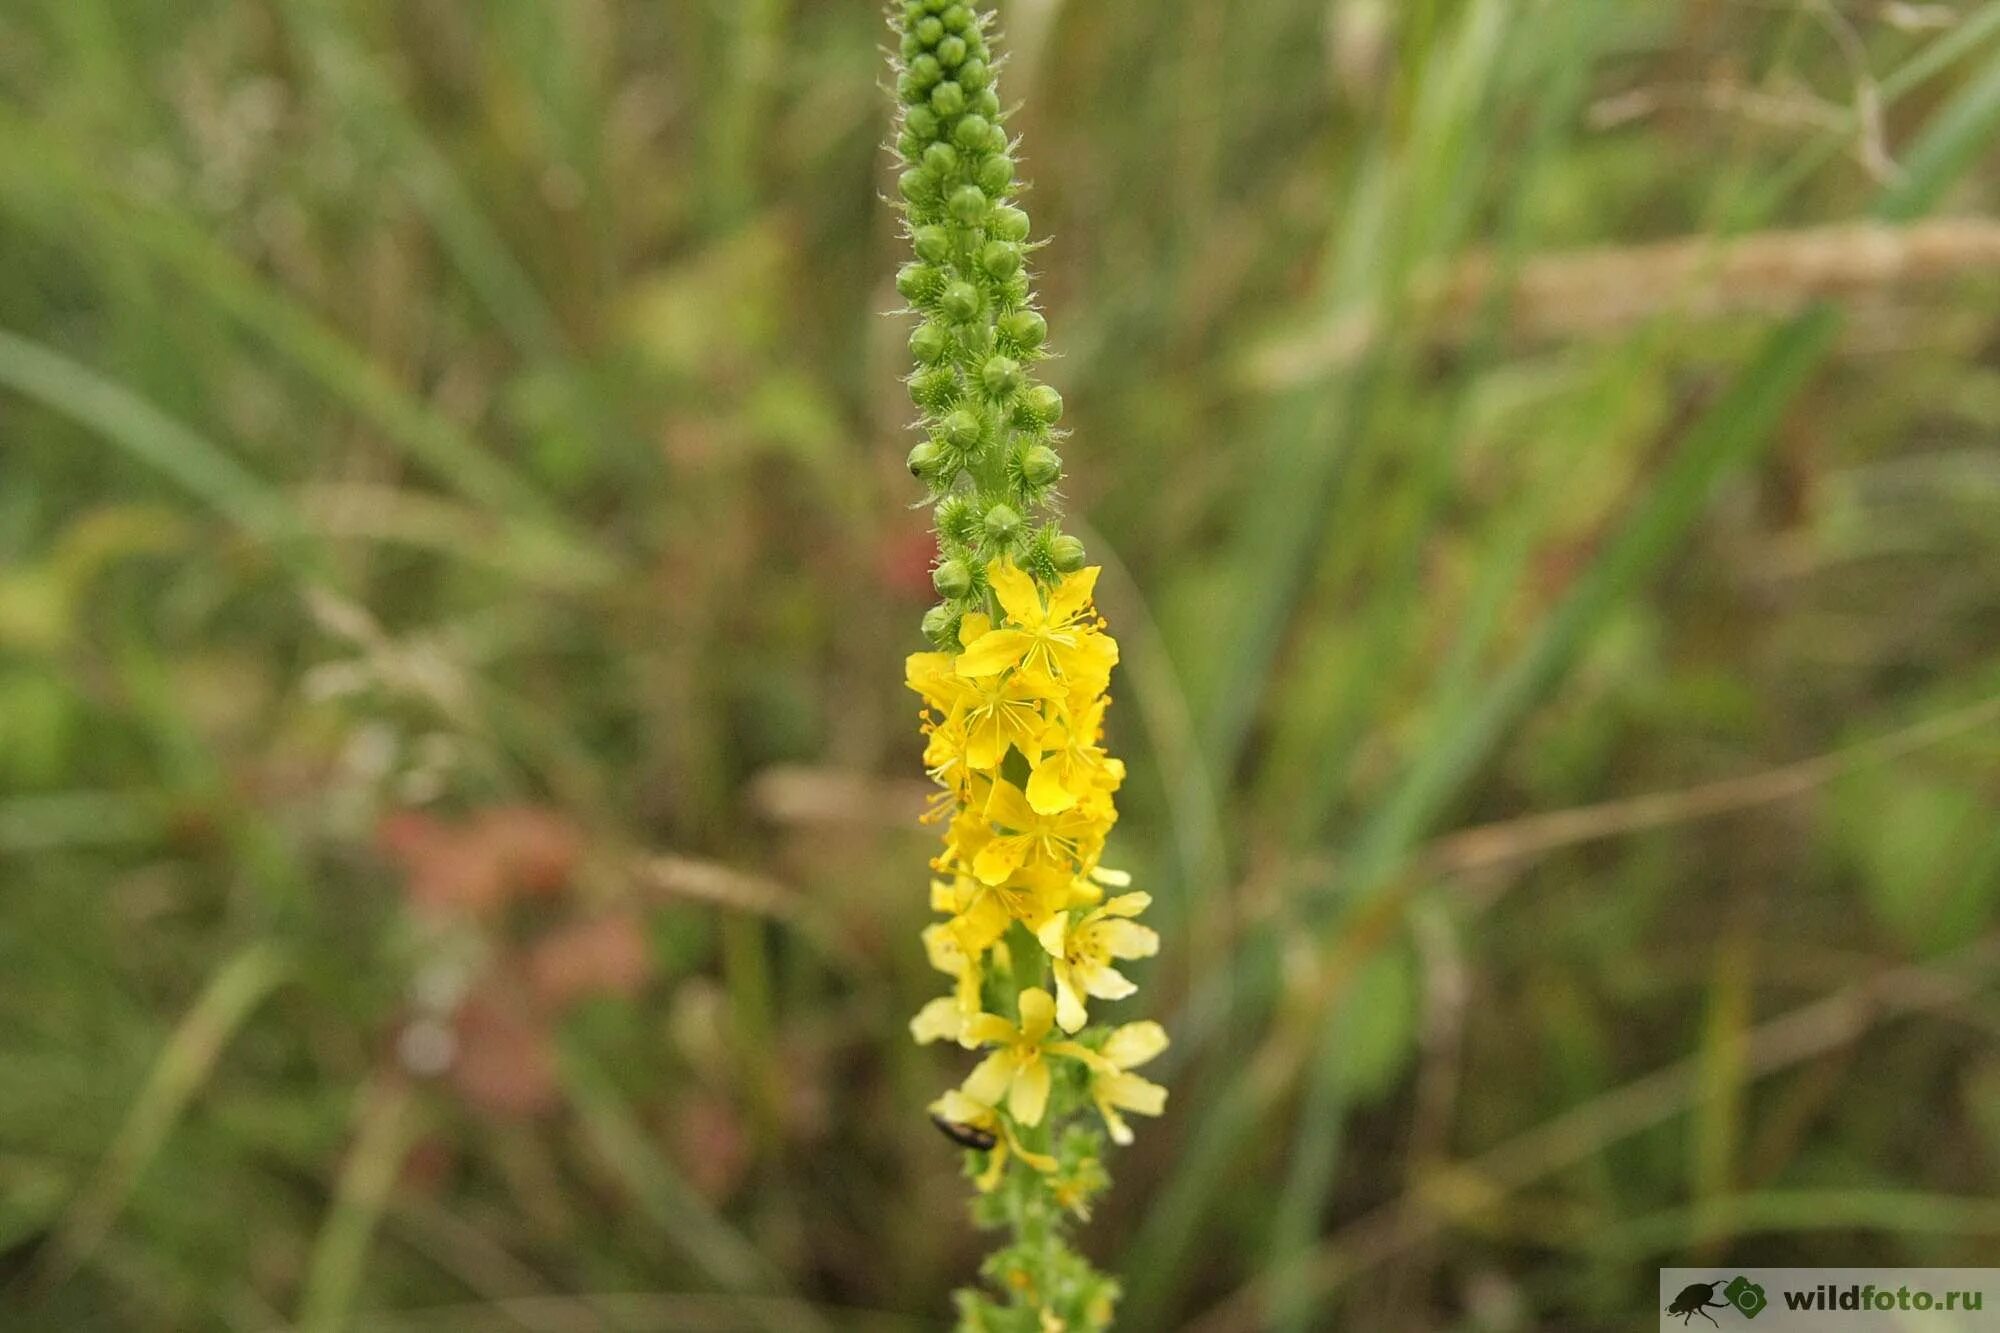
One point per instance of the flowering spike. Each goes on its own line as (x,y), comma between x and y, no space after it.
(1014,697)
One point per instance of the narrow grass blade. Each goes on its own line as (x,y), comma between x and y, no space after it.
(385,1125)
(145,433)
(666,1199)
(190,1055)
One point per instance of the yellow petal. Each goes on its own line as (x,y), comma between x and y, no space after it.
(1029,1095)
(939,1020)
(1121,1133)
(1007,807)
(942,947)
(1038,1013)
(1135,1043)
(985,742)
(1019,597)
(1073,594)
(996,1166)
(990,1030)
(1125,904)
(922,671)
(983,922)
(1127,939)
(1132,1093)
(1040,1161)
(960,1109)
(1107,983)
(1052,932)
(994,651)
(1070,1012)
(972,625)
(999,859)
(1046,793)
(990,1078)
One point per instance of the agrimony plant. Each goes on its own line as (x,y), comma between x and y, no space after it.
(1032,925)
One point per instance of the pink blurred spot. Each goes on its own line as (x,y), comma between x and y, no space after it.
(506,1062)
(607,956)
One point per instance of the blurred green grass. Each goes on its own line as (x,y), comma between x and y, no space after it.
(455,806)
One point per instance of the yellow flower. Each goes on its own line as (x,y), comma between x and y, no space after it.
(1071,838)
(1057,642)
(957,1109)
(1072,764)
(1083,951)
(1114,1087)
(981,912)
(1000,711)
(1018,1069)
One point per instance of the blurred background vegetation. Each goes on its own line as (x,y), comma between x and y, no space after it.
(458,866)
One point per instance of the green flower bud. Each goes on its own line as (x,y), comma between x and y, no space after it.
(1040,465)
(947,99)
(909,146)
(929,30)
(952,579)
(917,282)
(1025,329)
(911,47)
(927,460)
(929,342)
(914,186)
(957,18)
(921,121)
(1009,224)
(1013,292)
(961,430)
(958,520)
(974,74)
(914,11)
(960,302)
(933,243)
(941,161)
(968,204)
(925,71)
(934,390)
(971,132)
(951,52)
(908,89)
(941,626)
(1042,405)
(1066,553)
(996,173)
(986,102)
(1002,522)
(1001,258)
(1001,375)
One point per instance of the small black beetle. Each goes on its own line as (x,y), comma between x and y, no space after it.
(965,1136)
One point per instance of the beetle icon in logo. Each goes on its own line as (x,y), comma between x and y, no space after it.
(1693,1301)
(1741,1295)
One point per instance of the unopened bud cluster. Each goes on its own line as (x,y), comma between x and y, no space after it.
(988,455)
